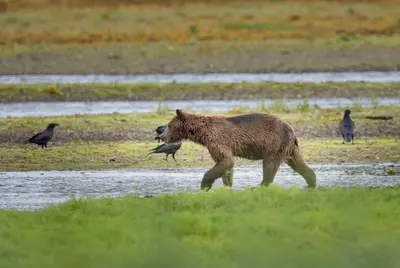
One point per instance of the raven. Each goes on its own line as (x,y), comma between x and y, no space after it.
(43,137)
(159,131)
(346,127)
(168,149)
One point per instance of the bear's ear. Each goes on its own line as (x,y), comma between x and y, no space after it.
(180,114)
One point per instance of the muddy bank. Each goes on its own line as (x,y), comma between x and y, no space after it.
(313,123)
(100,155)
(114,60)
(36,190)
(307,122)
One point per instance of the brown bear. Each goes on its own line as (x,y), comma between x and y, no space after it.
(254,136)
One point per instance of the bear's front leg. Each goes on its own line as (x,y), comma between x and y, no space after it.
(217,171)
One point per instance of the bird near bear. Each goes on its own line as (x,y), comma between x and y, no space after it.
(255,136)
(168,149)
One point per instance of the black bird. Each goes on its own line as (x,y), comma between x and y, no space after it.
(167,148)
(43,137)
(159,131)
(346,127)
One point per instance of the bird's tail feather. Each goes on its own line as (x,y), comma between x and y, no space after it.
(151,151)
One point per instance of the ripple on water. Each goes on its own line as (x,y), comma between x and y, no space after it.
(204,78)
(37,189)
(106,107)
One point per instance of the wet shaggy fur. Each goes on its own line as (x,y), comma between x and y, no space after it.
(253,136)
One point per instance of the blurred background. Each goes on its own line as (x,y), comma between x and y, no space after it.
(133,36)
(108,73)
(111,72)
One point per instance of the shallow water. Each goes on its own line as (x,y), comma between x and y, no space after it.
(37,189)
(204,78)
(81,107)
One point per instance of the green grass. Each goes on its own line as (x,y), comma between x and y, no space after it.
(180,91)
(129,154)
(264,227)
(257,26)
(165,48)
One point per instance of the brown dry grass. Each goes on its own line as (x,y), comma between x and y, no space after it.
(13,5)
(66,22)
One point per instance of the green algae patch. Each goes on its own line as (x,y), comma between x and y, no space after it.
(188,91)
(129,154)
(364,150)
(263,227)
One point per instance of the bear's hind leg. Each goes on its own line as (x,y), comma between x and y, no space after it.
(218,170)
(227,178)
(297,164)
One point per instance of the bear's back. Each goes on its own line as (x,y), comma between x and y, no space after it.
(257,122)
(254,134)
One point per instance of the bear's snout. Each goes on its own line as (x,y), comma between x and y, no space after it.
(164,137)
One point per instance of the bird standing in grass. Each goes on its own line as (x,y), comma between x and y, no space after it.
(168,149)
(346,127)
(43,137)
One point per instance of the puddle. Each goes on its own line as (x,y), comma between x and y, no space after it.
(80,107)
(204,78)
(37,189)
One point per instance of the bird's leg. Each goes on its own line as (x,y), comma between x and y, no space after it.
(173,156)
(166,157)
(352,139)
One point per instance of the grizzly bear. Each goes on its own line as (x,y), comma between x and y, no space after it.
(254,136)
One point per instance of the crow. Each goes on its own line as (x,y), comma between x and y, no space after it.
(43,137)
(168,149)
(346,127)
(159,131)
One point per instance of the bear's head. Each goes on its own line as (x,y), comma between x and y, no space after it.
(176,129)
